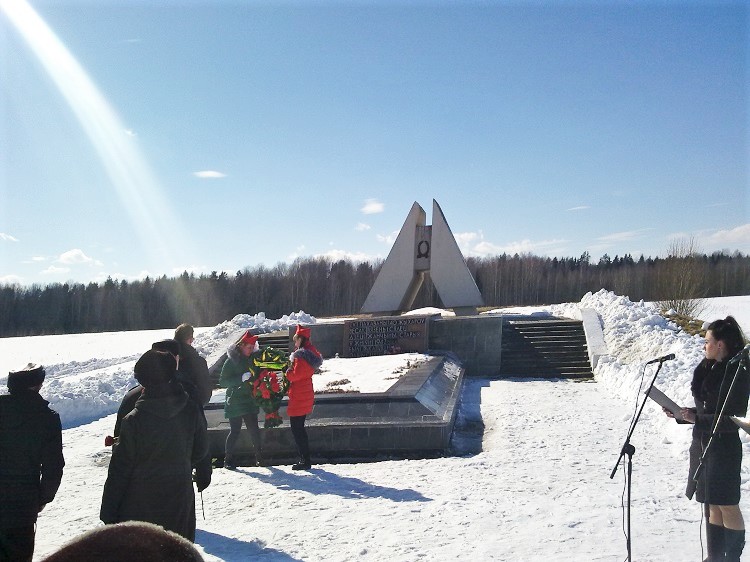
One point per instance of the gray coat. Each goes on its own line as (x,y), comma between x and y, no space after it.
(150,476)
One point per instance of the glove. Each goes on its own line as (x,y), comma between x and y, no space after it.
(202,481)
(109,441)
(245,377)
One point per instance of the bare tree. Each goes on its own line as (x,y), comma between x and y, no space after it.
(683,281)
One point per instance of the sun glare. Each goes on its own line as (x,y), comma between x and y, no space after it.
(129,173)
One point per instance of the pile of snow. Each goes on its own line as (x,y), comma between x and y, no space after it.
(88,374)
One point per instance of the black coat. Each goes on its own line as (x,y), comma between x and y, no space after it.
(193,372)
(149,476)
(31,457)
(203,468)
(719,477)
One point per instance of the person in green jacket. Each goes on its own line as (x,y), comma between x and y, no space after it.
(237,376)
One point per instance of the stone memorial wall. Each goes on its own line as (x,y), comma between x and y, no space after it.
(383,336)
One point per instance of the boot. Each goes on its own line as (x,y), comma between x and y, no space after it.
(734,541)
(303,464)
(258,457)
(715,542)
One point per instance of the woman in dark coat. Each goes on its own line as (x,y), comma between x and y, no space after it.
(304,360)
(237,376)
(150,474)
(718,482)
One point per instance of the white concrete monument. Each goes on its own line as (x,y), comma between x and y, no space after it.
(419,251)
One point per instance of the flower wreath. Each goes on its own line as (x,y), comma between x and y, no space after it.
(271,384)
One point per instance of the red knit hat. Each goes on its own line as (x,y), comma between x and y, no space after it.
(301,331)
(248,338)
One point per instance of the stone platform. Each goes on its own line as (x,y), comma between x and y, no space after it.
(413,419)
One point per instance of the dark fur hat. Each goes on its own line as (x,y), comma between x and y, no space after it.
(31,375)
(125,542)
(155,367)
(170,346)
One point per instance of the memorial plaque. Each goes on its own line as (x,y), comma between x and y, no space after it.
(385,336)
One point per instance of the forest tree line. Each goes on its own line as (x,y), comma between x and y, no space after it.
(323,287)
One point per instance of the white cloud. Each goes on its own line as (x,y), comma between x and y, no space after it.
(361,227)
(102,276)
(474,244)
(11,280)
(388,239)
(466,239)
(7,237)
(372,206)
(336,255)
(298,251)
(625,236)
(579,208)
(75,257)
(54,270)
(209,174)
(737,238)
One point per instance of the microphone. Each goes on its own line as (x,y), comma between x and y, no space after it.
(744,351)
(661,359)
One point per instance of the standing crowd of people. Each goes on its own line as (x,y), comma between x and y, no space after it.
(159,448)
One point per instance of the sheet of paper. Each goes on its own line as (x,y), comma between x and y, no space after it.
(665,402)
(743,423)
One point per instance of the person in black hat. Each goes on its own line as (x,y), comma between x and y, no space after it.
(203,467)
(150,474)
(132,395)
(31,461)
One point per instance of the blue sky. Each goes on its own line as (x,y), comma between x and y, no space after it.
(157,137)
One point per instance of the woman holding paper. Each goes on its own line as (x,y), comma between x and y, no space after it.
(714,477)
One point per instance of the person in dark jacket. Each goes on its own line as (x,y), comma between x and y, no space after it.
(719,381)
(304,360)
(193,367)
(192,373)
(149,477)
(237,376)
(31,461)
(203,467)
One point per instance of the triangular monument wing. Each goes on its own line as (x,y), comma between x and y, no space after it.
(421,250)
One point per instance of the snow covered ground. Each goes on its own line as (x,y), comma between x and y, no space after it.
(540,489)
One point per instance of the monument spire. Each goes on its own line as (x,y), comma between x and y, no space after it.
(421,250)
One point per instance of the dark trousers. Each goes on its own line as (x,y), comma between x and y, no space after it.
(235,427)
(300,436)
(17,544)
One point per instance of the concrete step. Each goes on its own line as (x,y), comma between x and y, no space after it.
(545,348)
(278,340)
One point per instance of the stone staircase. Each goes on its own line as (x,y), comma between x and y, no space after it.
(278,340)
(544,348)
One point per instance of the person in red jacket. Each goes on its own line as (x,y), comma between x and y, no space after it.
(304,361)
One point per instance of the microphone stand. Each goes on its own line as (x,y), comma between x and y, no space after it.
(629,450)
